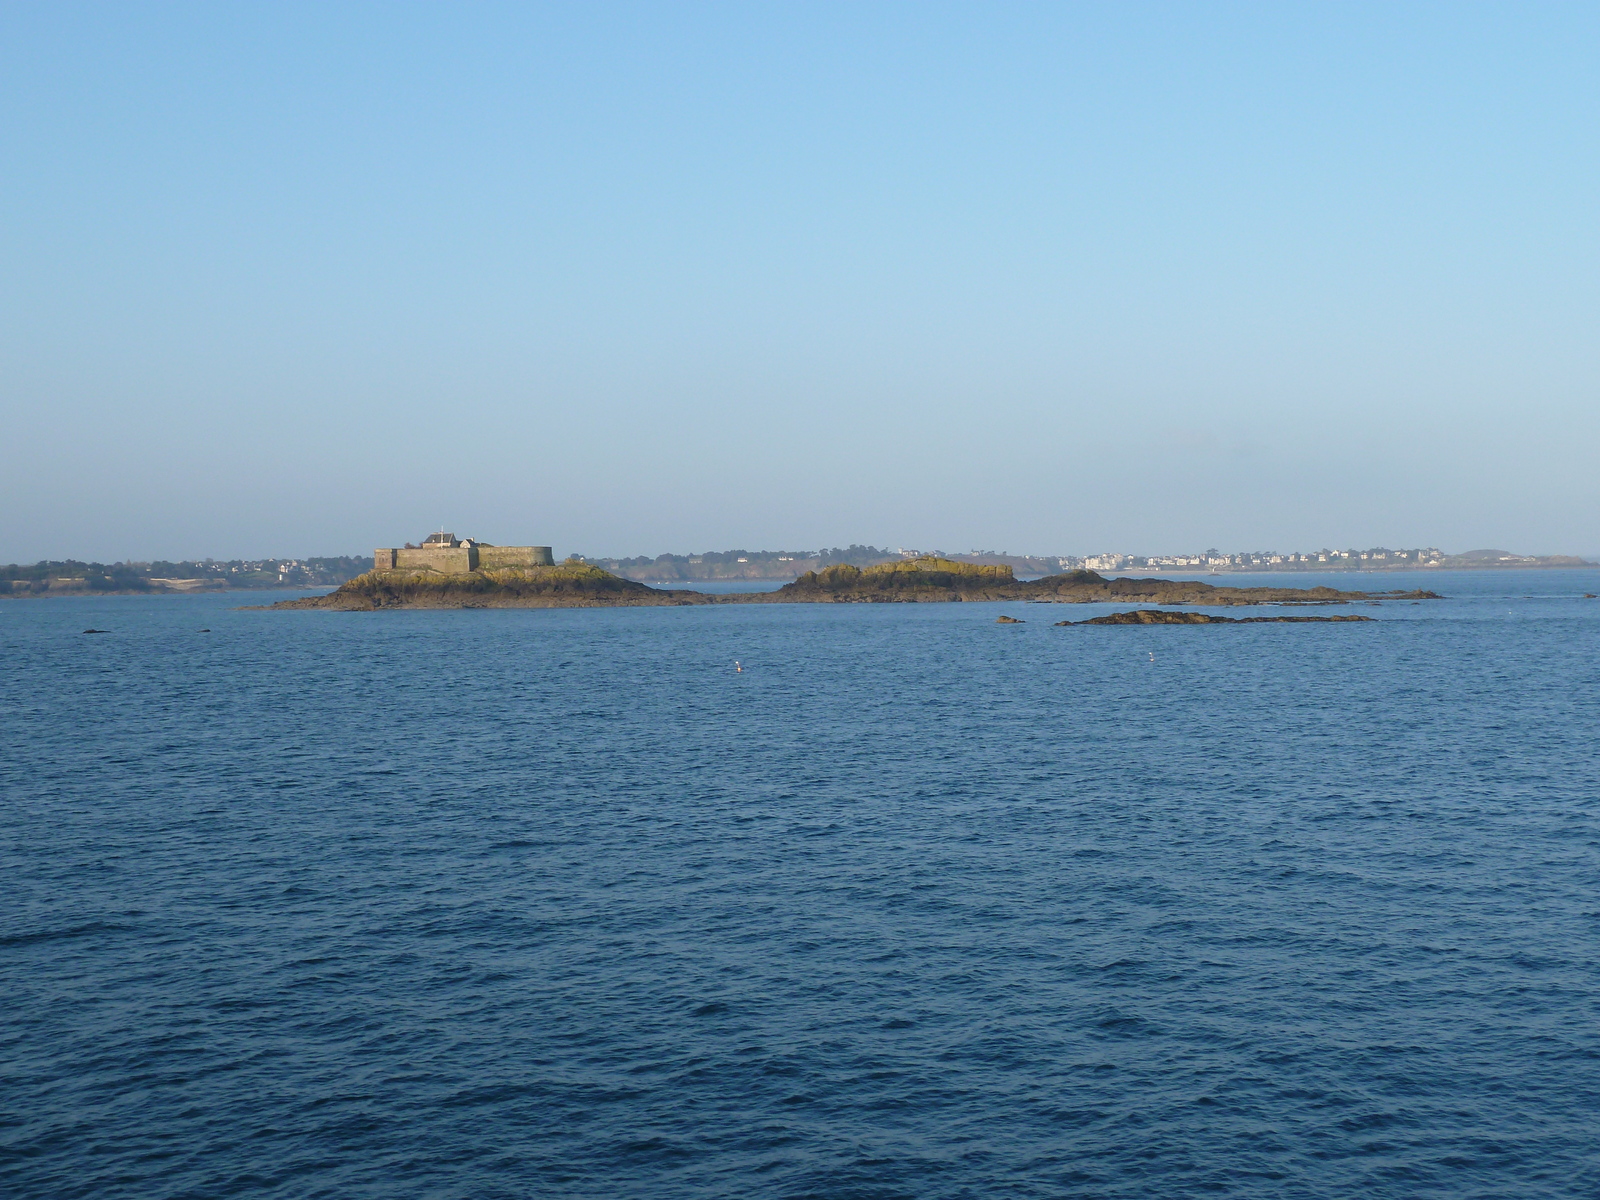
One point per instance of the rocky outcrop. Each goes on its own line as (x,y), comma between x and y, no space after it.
(1154,616)
(907,581)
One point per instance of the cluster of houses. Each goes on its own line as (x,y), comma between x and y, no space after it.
(1268,560)
(1210,560)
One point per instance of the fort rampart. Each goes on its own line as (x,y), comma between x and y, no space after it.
(459,560)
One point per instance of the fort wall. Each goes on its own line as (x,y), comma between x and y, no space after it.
(448,560)
(458,560)
(500,558)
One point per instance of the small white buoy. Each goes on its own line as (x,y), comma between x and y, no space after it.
(736,665)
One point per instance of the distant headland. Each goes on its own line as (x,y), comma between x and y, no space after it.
(450,572)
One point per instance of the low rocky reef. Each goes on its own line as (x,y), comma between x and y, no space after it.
(922,580)
(1155,616)
(941,579)
(1086,587)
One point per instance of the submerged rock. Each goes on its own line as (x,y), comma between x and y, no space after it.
(1004,620)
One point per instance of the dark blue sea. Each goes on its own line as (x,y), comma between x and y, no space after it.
(560,904)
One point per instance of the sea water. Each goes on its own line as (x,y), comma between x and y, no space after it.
(560,903)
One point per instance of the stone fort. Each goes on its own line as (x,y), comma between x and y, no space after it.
(450,555)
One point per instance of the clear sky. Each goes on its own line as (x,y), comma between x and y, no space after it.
(627,278)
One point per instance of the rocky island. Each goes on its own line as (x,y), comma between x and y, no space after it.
(562,585)
(448,573)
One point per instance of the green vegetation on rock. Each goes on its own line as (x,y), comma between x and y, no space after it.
(930,566)
(911,579)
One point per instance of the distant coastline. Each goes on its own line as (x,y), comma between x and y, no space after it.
(71,577)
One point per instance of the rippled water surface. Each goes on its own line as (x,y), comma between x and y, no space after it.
(557,903)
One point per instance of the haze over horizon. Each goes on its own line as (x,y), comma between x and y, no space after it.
(638,278)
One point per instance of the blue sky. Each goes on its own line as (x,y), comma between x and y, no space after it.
(630,278)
